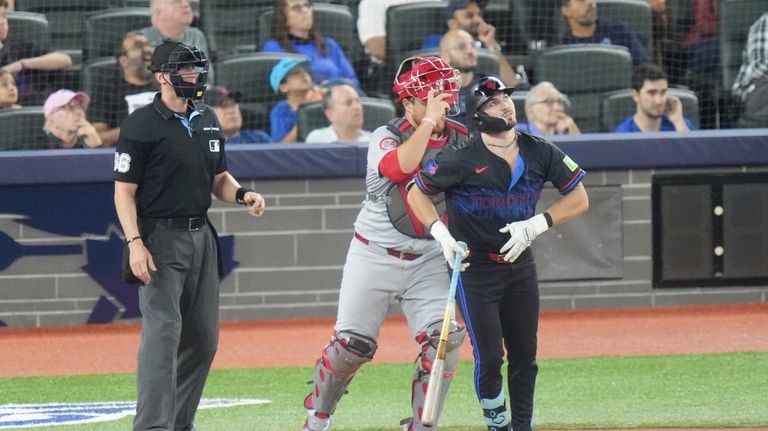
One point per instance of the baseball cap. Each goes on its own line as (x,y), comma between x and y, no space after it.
(455,5)
(61,97)
(282,69)
(161,54)
(216,96)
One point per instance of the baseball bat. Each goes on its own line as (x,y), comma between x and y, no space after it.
(429,413)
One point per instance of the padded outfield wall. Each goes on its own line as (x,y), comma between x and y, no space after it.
(60,243)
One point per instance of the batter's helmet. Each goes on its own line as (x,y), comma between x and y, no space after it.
(479,94)
(172,56)
(417,76)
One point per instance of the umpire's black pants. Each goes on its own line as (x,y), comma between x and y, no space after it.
(180,327)
(500,304)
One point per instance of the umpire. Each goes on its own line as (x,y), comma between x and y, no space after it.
(492,186)
(169,159)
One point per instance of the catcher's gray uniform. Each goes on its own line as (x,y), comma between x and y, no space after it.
(385,265)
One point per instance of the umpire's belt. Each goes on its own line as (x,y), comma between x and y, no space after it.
(181,223)
(404,255)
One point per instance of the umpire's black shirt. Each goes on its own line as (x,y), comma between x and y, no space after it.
(172,158)
(483,194)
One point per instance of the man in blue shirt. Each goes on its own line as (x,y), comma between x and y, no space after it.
(584,27)
(657,111)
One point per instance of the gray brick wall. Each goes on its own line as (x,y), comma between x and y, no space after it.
(291,259)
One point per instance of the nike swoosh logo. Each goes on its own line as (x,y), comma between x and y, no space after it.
(481,170)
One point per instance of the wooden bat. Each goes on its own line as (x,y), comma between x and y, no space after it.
(429,413)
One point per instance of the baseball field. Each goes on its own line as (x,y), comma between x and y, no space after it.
(695,367)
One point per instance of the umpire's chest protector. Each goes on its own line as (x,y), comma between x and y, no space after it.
(400,215)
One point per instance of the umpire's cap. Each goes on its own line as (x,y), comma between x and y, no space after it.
(484,89)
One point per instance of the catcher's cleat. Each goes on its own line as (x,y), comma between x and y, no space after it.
(314,423)
(407,424)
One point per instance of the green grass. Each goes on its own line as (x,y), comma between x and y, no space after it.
(686,391)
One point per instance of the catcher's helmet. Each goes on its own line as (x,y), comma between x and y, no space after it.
(417,76)
(172,56)
(479,94)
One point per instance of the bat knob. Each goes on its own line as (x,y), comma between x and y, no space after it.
(462,244)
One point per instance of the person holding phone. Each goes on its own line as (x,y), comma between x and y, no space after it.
(657,111)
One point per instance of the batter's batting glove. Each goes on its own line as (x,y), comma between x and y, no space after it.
(448,244)
(522,234)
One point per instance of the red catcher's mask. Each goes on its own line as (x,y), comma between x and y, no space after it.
(423,74)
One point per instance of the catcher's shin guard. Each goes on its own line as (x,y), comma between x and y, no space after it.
(429,339)
(495,413)
(340,360)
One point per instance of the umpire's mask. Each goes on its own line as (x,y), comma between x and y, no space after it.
(479,94)
(173,56)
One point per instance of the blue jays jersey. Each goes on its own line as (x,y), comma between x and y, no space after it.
(483,193)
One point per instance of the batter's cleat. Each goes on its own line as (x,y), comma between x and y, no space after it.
(314,423)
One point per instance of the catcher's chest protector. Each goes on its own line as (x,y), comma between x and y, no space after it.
(399,214)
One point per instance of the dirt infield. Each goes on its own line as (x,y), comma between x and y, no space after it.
(100,349)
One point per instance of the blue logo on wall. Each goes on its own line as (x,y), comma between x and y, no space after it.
(37,415)
(75,211)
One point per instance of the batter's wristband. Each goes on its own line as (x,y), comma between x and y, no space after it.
(240,195)
(548,218)
(130,240)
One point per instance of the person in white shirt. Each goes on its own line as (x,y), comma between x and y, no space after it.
(344,111)
(372,25)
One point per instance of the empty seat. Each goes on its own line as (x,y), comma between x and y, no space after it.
(104,30)
(29,30)
(65,19)
(635,13)
(231,27)
(408,25)
(22,128)
(585,73)
(249,74)
(618,105)
(736,16)
(376,112)
(333,20)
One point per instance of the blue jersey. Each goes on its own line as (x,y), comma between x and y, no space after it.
(611,32)
(482,192)
(629,125)
(282,118)
(331,66)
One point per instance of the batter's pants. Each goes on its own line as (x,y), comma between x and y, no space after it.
(500,306)
(180,327)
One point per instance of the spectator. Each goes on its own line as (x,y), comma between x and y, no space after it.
(66,123)
(291,78)
(545,109)
(751,84)
(459,50)
(701,49)
(372,25)
(585,27)
(27,62)
(657,111)
(344,111)
(123,93)
(9,94)
(293,31)
(466,15)
(171,19)
(226,105)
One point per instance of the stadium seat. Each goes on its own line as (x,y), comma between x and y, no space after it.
(333,20)
(487,61)
(408,25)
(29,28)
(104,30)
(145,3)
(376,112)
(96,75)
(618,105)
(509,20)
(585,73)
(518,97)
(635,13)
(249,74)
(65,19)
(231,27)
(22,128)
(736,16)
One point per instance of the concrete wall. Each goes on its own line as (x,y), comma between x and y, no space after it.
(290,260)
